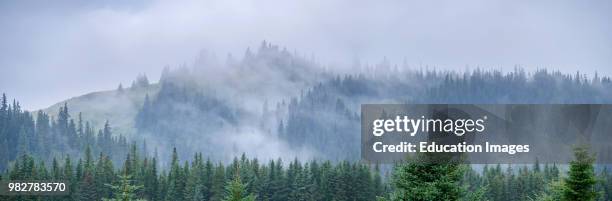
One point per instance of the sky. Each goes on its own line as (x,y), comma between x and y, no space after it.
(53,50)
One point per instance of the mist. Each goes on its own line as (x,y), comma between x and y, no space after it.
(75,48)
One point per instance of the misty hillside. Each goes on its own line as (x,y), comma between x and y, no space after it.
(227,108)
(272,100)
(273,103)
(118,106)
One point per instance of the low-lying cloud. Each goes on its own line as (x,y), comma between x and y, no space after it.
(74,48)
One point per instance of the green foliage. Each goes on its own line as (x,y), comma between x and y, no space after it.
(203,180)
(554,191)
(580,183)
(125,190)
(45,138)
(235,190)
(243,179)
(27,145)
(605,184)
(422,179)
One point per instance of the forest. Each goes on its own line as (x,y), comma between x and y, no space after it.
(139,178)
(126,171)
(292,99)
(94,178)
(45,137)
(189,133)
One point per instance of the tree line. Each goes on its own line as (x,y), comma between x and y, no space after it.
(326,116)
(200,179)
(420,179)
(140,178)
(44,137)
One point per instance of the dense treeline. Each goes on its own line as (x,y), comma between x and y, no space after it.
(419,179)
(511,182)
(327,114)
(316,109)
(139,177)
(45,137)
(201,179)
(191,109)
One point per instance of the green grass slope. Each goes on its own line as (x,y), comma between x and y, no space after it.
(118,107)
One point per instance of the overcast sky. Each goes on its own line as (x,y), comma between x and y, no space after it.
(54,50)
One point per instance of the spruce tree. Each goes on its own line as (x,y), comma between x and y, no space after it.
(235,190)
(125,191)
(580,183)
(87,188)
(207,180)
(422,179)
(218,183)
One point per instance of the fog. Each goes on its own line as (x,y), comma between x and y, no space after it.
(53,51)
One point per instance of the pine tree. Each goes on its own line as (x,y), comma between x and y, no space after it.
(79,170)
(56,170)
(378,183)
(69,175)
(280,189)
(580,184)
(235,190)
(207,180)
(104,175)
(218,182)
(63,119)
(175,179)
(125,191)
(43,132)
(151,183)
(426,180)
(193,187)
(87,188)
(88,166)
(105,139)
(24,144)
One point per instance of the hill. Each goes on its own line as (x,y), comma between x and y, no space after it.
(119,107)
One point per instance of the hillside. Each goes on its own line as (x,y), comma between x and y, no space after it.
(118,107)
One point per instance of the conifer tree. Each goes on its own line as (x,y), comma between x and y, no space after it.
(235,190)
(87,188)
(218,183)
(580,183)
(125,190)
(175,179)
(426,180)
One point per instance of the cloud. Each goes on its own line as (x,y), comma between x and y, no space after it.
(69,48)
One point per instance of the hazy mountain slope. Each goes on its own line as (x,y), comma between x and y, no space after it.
(118,107)
(275,104)
(226,108)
